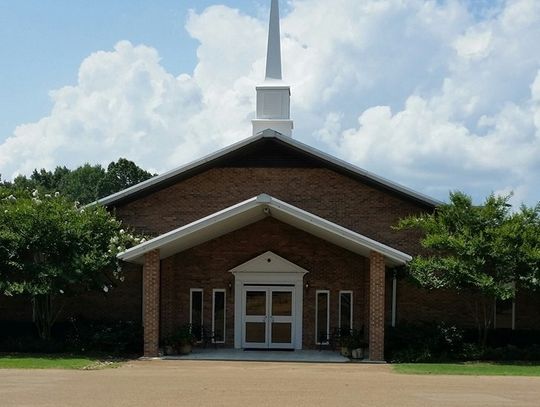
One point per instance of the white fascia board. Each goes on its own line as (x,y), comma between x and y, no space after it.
(176,171)
(263,200)
(357,170)
(267,134)
(345,233)
(169,237)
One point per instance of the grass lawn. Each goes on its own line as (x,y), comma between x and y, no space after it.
(21,361)
(470,368)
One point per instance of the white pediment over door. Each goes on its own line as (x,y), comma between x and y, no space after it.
(268,262)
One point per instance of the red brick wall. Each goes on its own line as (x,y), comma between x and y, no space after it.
(321,191)
(376,309)
(151,303)
(206,266)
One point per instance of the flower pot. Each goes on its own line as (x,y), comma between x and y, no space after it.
(345,352)
(169,350)
(358,353)
(185,349)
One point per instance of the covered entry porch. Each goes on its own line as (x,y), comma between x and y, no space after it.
(272,264)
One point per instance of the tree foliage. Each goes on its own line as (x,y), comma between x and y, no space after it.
(50,248)
(486,250)
(84,184)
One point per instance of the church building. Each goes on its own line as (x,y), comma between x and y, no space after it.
(272,244)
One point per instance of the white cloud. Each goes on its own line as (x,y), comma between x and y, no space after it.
(436,95)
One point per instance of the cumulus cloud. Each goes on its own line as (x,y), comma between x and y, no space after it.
(437,95)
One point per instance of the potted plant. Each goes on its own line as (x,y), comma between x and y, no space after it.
(353,344)
(183,339)
(357,344)
(169,345)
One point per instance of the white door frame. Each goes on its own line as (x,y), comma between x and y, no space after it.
(268,319)
(266,270)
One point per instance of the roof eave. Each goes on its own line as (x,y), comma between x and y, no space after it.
(394,257)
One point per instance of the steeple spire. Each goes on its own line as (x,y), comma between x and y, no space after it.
(273,96)
(273,56)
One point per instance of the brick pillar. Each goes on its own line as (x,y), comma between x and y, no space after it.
(151,303)
(376,306)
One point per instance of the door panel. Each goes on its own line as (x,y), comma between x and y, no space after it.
(281,333)
(281,303)
(268,317)
(256,303)
(256,332)
(255,318)
(281,318)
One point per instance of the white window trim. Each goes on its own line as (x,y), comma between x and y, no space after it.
(214,291)
(191,291)
(317,292)
(351,305)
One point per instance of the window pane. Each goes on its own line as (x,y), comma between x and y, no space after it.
(219,316)
(345,301)
(504,314)
(281,303)
(256,332)
(281,332)
(256,303)
(322,317)
(196,313)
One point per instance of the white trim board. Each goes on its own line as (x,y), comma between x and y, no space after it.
(251,211)
(251,273)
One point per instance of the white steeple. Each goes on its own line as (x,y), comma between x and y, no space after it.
(273,54)
(273,96)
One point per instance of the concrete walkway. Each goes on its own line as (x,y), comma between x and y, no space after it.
(305,356)
(239,384)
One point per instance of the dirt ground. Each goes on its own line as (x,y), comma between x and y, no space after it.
(197,383)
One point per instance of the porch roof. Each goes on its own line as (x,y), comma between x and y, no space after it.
(251,211)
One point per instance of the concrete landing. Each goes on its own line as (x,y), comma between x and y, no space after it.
(297,356)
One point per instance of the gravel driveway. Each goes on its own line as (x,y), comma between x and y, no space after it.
(205,384)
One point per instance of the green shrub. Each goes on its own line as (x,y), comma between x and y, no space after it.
(424,342)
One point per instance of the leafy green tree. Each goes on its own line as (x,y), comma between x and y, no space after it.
(51,249)
(121,175)
(86,183)
(48,180)
(487,251)
(81,184)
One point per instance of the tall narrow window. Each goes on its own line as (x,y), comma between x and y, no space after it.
(218,316)
(505,314)
(345,311)
(322,317)
(196,312)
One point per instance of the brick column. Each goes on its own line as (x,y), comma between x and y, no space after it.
(151,303)
(376,306)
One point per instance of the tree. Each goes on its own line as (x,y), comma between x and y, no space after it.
(49,180)
(81,184)
(121,175)
(487,251)
(50,249)
(86,183)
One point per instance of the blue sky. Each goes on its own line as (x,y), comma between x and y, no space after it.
(435,94)
(44,42)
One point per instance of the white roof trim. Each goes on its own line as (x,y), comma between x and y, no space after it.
(268,262)
(267,134)
(253,210)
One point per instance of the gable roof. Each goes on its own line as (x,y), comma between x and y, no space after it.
(268,262)
(251,211)
(236,150)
